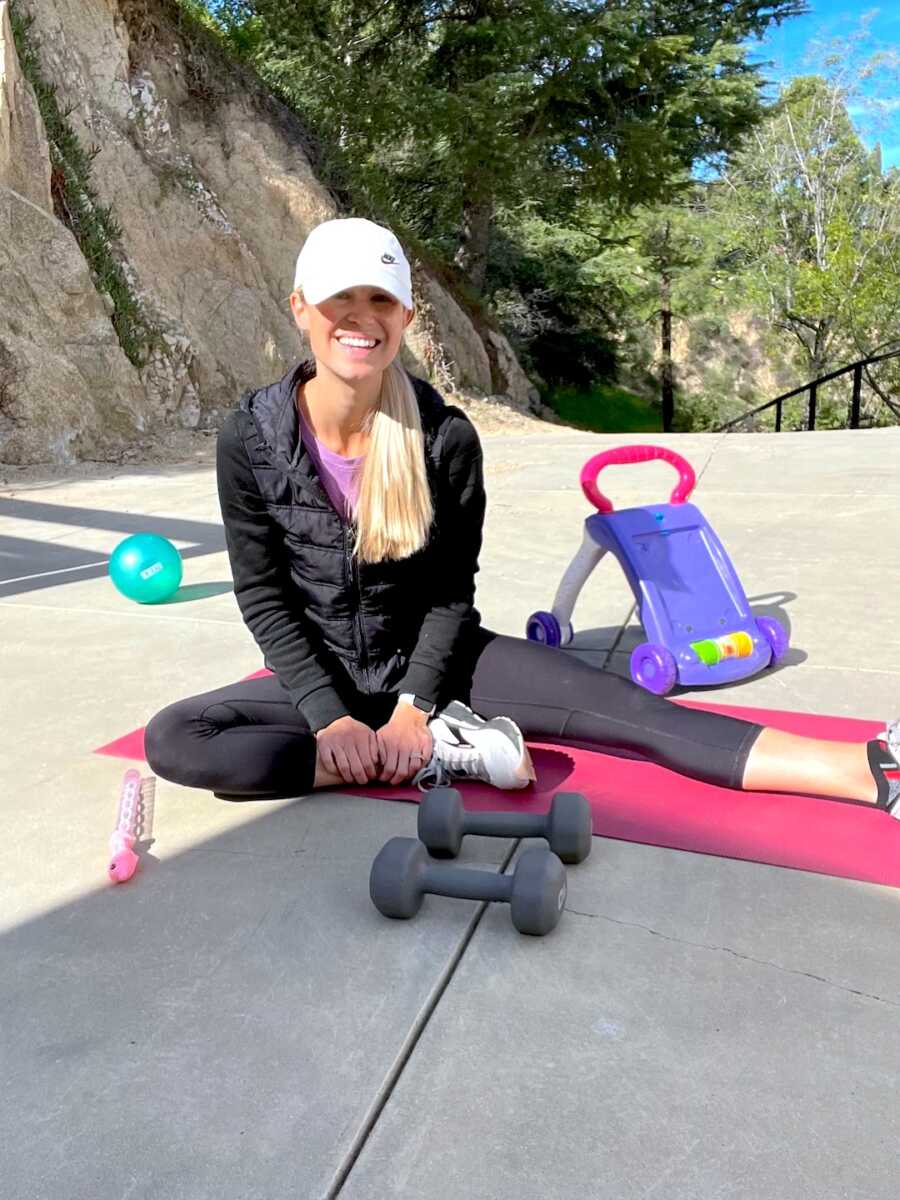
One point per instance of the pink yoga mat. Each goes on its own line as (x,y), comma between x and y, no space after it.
(639,802)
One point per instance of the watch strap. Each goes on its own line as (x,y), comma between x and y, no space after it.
(418,702)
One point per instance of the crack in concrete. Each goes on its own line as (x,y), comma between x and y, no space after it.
(408,1048)
(761,962)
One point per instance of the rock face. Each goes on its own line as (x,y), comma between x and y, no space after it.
(210,181)
(24,152)
(67,391)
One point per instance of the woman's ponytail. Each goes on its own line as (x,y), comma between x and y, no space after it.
(394,510)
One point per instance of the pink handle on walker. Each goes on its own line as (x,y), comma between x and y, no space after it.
(624,456)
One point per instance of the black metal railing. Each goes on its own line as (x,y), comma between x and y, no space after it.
(813,389)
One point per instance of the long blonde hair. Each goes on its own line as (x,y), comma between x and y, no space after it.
(394,511)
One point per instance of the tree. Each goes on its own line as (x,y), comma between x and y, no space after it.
(449,111)
(658,259)
(558,314)
(815,228)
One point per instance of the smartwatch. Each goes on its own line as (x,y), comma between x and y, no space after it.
(424,706)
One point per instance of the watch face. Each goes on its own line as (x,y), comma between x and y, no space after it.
(424,705)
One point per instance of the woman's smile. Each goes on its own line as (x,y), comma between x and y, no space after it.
(357,345)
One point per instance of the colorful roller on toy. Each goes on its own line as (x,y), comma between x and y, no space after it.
(696,618)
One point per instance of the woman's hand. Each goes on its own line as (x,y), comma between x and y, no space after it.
(404,744)
(349,749)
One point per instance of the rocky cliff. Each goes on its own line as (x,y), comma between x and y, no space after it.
(173,297)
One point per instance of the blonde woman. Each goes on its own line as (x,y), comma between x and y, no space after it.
(353,503)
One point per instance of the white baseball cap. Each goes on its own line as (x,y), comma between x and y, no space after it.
(351,252)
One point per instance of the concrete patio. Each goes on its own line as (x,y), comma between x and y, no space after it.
(239,1023)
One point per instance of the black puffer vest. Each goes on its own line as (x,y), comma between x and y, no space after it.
(328,625)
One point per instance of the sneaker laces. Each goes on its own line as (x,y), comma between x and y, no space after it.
(431,776)
(449,761)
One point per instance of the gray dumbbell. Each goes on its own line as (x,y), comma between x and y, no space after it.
(402,874)
(443,823)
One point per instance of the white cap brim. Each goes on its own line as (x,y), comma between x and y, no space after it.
(385,279)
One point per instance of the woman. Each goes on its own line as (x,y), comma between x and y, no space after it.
(353,504)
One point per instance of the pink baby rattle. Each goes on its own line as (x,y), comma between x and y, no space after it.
(124,861)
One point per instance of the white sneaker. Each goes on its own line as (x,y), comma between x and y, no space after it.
(470,747)
(459,716)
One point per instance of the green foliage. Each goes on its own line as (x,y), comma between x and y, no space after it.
(800,236)
(814,226)
(555,313)
(200,13)
(76,203)
(445,115)
(542,157)
(604,408)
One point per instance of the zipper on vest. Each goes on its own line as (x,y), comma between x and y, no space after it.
(353,569)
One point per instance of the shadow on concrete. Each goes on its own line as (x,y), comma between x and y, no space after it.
(29,564)
(197,591)
(772,604)
(219,1025)
(599,638)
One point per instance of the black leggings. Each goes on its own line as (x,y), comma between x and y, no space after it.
(248,741)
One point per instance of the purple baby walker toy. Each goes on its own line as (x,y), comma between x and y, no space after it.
(695,615)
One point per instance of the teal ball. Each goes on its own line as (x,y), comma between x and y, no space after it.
(146,567)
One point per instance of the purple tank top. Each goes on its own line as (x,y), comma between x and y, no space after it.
(339,476)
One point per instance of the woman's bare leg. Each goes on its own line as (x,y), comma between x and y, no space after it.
(786,762)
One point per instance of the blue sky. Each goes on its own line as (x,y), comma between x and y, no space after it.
(790,45)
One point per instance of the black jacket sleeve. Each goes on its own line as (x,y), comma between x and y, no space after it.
(262,584)
(459,518)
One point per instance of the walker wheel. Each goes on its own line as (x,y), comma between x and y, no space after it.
(777,637)
(543,627)
(653,667)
